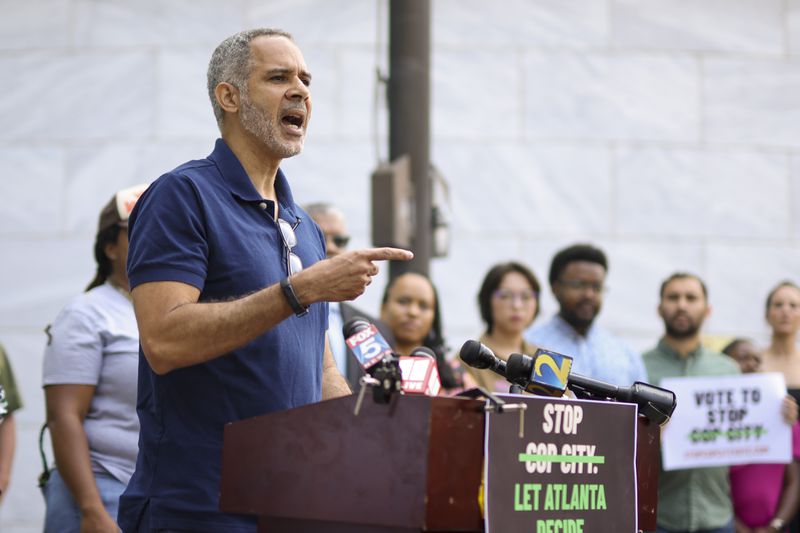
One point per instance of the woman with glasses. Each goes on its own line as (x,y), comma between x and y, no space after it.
(509,303)
(90,373)
(410,308)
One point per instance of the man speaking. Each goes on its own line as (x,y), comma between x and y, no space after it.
(229,283)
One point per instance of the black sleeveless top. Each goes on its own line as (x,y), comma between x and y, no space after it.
(795,393)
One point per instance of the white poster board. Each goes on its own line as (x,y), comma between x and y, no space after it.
(726,420)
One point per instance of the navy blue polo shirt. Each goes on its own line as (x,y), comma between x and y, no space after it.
(205,224)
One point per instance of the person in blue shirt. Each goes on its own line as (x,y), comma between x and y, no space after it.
(578,281)
(229,282)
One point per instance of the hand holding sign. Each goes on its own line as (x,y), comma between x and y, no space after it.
(726,420)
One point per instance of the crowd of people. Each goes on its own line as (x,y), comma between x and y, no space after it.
(740,499)
(217,298)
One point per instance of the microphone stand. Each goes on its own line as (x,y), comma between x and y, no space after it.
(386,379)
(495,404)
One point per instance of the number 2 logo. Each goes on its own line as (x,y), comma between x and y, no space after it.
(560,371)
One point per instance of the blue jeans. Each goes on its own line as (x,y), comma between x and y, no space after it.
(62,514)
(727,528)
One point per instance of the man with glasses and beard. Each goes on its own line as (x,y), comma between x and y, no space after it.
(690,500)
(577,278)
(229,282)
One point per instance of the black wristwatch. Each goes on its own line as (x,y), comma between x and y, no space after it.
(291,297)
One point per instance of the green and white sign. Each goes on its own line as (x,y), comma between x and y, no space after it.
(572,471)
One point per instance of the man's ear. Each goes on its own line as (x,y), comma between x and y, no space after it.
(227,97)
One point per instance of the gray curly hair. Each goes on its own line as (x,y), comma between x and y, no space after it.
(230,63)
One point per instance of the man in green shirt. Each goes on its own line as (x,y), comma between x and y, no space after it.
(695,500)
(8,430)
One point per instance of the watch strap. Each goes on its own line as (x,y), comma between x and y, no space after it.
(291,297)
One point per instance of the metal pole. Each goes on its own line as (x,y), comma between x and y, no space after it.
(409,116)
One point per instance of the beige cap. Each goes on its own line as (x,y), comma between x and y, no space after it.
(118,209)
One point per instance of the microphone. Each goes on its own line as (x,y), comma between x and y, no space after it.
(653,402)
(548,373)
(656,403)
(420,373)
(554,383)
(478,355)
(366,342)
(375,355)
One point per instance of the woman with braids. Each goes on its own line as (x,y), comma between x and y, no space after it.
(89,378)
(410,308)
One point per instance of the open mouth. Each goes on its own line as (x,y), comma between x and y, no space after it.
(294,120)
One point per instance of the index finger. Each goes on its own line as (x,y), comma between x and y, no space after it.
(388,254)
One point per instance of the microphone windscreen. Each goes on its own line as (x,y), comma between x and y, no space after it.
(354,325)
(366,342)
(477,355)
(518,368)
(423,351)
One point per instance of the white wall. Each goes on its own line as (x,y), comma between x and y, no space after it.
(666,131)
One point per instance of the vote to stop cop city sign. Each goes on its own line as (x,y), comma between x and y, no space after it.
(572,471)
(726,420)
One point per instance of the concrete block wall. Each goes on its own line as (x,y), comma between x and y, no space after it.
(666,132)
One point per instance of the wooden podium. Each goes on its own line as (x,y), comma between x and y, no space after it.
(413,465)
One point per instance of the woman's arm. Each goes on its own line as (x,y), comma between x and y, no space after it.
(790,495)
(8,440)
(739,526)
(67,406)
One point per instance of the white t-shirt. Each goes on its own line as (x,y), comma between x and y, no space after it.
(94,340)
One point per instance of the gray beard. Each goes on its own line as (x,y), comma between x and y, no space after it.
(265,129)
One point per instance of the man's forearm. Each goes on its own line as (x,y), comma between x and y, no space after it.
(196,332)
(334,385)
(176,330)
